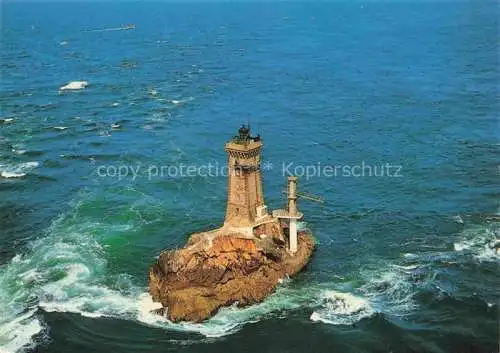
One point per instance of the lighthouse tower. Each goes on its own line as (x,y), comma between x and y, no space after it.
(245,201)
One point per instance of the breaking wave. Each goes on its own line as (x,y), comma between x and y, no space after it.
(66,271)
(392,291)
(481,241)
(387,288)
(16,170)
(342,309)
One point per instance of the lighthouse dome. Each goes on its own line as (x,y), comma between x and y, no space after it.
(244,132)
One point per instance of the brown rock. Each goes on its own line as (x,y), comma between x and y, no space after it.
(214,270)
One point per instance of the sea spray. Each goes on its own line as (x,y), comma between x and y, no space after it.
(66,270)
(339,308)
(17,170)
(479,241)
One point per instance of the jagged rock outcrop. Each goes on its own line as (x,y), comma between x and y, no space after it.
(216,270)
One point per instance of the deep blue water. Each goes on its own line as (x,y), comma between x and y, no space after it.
(403,264)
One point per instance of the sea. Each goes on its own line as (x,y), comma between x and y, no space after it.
(387,111)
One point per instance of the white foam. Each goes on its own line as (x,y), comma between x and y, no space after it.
(28,279)
(341,309)
(488,254)
(407,267)
(92,301)
(17,171)
(160,117)
(66,271)
(390,290)
(17,258)
(480,242)
(100,301)
(17,334)
(458,219)
(461,246)
(180,101)
(18,324)
(74,85)
(229,319)
(8,175)
(30,276)
(71,254)
(104,133)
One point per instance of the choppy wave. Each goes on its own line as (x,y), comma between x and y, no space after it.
(18,323)
(17,170)
(480,241)
(342,308)
(387,288)
(20,331)
(66,271)
(393,288)
(231,319)
(74,85)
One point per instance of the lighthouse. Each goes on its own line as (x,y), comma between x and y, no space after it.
(245,201)
(246,213)
(244,260)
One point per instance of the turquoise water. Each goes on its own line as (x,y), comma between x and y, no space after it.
(404,263)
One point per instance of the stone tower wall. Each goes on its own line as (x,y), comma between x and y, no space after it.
(244,184)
